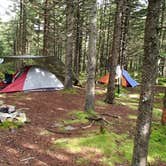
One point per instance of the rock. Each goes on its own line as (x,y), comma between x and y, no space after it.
(8,112)
(56,124)
(21,117)
(69,128)
(6,116)
(7,109)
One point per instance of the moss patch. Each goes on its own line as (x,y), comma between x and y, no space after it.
(157,143)
(111,148)
(11,125)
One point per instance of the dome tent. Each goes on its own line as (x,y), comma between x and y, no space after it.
(33,78)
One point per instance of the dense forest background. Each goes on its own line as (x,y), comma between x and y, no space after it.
(39,28)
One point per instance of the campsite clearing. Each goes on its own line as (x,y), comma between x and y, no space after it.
(55,135)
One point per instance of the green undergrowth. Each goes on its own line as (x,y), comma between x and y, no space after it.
(157,143)
(79,117)
(130,100)
(6,67)
(101,103)
(10,125)
(159,95)
(162,81)
(69,91)
(134,117)
(123,92)
(82,161)
(157,113)
(82,78)
(101,91)
(112,147)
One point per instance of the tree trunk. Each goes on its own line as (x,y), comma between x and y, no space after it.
(90,87)
(151,53)
(84,54)
(103,34)
(22,34)
(164,68)
(69,43)
(78,43)
(99,42)
(46,29)
(24,30)
(20,28)
(114,53)
(163,119)
(108,40)
(124,37)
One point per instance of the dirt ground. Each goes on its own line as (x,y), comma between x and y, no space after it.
(29,145)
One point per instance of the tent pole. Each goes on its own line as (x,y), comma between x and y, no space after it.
(119,82)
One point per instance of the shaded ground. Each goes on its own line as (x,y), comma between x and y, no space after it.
(32,143)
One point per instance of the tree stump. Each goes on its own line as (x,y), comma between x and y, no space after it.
(163,119)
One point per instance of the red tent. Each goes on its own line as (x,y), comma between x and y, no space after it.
(33,78)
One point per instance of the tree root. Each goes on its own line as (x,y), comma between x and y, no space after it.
(90,125)
(113,116)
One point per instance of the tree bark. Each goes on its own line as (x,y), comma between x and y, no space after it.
(24,30)
(102,42)
(46,29)
(163,119)
(124,33)
(149,74)
(69,43)
(78,44)
(84,54)
(114,53)
(90,87)
(164,68)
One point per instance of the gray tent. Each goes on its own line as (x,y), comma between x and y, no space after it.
(33,78)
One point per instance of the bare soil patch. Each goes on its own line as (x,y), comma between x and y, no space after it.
(31,144)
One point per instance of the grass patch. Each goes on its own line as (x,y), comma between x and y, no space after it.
(114,148)
(134,117)
(128,101)
(162,81)
(122,91)
(158,104)
(44,132)
(11,125)
(82,161)
(111,147)
(77,117)
(157,143)
(100,91)
(69,91)
(101,103)
(157,113)
(82,78)
(159,95)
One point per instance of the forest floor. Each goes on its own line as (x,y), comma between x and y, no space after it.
(53,120)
